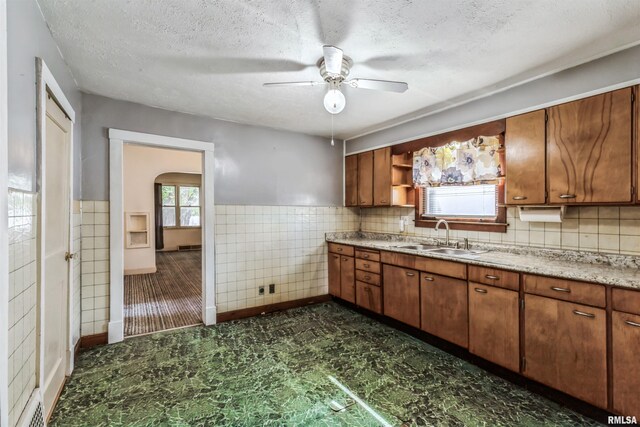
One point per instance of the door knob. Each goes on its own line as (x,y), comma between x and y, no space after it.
(68,256)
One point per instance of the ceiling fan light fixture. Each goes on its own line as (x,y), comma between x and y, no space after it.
(334,100)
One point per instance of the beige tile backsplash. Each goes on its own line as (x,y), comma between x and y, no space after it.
(609,229)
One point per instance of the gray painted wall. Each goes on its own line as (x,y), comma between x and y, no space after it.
(254,165)
(621,68)
(28,37)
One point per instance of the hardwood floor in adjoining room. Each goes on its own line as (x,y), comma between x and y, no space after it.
(170,298)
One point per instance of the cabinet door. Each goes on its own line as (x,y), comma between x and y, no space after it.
(365,179)
(525,158)
(382,177)
(401,294)
(369,297)
(347,279)
(494,325)
(334,274)
(626,368)
(589,150)
(351,180)
(566,347)
(444,309)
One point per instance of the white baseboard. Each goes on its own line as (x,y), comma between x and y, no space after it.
(210,315)
(116,332)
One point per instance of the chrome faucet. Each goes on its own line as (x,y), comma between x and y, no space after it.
(446,224)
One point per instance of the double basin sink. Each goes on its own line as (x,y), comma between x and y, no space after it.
(436,249)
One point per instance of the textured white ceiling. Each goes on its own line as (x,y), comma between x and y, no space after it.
(210,57)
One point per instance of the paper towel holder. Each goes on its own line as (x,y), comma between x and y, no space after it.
(541,213)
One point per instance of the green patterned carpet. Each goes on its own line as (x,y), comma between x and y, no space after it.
(285,369)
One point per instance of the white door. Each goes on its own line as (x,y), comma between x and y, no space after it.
(56,245)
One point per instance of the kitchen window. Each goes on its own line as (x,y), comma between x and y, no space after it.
(180,206)
(470,201)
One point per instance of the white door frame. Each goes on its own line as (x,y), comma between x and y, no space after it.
(117,139)
(4,232)
(46,82)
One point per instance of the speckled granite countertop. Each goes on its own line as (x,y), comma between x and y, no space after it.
(606,269)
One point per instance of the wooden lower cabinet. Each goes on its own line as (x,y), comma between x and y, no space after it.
(565,347)
(347,279)
(494,325)
(334,274)
(443,306)
(369,297)
(401,294)
(626,365)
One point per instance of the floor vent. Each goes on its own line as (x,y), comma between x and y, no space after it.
(33,413)
(190,248)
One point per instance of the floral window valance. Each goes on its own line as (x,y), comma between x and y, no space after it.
(476,161)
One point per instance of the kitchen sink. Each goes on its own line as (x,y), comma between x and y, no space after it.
(459,252)
(418,247)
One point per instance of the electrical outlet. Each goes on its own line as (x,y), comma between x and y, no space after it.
(261,290)
(272,288)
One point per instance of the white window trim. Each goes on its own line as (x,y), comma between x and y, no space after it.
(117,139)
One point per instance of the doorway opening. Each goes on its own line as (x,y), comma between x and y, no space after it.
(163,239)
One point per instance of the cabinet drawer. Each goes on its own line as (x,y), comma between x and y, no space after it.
(367,277)
(366,265)
(436,266)
(369,297)
(368,255)
(494,277)
(566,290)
(625,300)
(341,249)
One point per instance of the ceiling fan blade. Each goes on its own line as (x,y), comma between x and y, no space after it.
(332,59)
(293,84)
(385,85)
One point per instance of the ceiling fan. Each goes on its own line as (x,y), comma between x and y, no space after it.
(334,69)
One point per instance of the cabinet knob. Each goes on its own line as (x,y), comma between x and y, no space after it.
(557,289)
(411,274)
(336,257)
(428,278)
(631,323)
(491,277)
(345,259)
(519,197)
(567,196)
(583,314)
(480,291)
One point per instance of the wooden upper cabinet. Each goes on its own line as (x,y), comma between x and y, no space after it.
(525,158)
(382,177)
(589,150)
(566,347)
(351,180)
(365,179)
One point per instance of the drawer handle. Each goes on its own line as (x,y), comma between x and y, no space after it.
(367,277)
(345,259)
(336,257)
(519,197)
(566,290)
(430,279)
(383,201)
(631,323)
(411,274)
(491,277)
(582,313)
(339,249)
(480,291)
(365,256)
(366,265)
(567,196)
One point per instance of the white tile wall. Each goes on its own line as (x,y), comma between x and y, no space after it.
(22,300)
(95,267)
(609,229)
(259,245)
